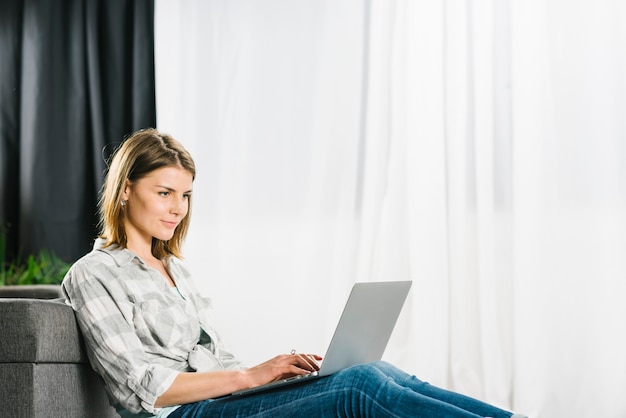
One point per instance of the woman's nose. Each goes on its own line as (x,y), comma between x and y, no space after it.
(179,206)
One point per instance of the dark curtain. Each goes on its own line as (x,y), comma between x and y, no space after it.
(76,77)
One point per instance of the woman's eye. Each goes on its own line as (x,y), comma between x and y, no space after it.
(186,195)
(164,193)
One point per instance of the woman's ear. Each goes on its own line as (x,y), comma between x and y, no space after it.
(126,191)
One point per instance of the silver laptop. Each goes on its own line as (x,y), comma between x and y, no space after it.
(362,334)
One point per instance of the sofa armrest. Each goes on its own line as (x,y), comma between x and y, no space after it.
(39,331)
(34,291)
(43,365)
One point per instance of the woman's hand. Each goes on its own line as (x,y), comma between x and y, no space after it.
(282,367)
(196,386)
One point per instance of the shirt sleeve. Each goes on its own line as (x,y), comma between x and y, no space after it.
(104,316)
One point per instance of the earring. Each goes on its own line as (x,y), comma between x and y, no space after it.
(123,203)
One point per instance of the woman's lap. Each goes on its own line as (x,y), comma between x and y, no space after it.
(373,390)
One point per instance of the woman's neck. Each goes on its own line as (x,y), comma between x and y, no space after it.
(142,248)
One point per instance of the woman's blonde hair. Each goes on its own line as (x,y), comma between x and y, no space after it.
(140,154)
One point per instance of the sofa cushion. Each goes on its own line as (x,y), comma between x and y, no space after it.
(39,331)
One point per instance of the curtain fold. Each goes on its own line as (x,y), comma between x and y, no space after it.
(10,65)
(78,76)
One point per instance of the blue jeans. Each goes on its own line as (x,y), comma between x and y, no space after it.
(369,390)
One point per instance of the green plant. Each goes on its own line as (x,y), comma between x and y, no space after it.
(42,268)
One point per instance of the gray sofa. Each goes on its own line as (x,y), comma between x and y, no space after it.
(44,371)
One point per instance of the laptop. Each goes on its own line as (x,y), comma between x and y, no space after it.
(362,334)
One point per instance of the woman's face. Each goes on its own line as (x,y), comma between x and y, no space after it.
(156,204)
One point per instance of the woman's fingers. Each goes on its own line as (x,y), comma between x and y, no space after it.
(309,362)
(298,363)
(283,366)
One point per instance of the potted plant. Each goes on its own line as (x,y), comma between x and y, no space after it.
(43,269)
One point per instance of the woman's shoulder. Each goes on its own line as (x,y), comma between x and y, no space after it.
(99,264)
(93,260)
(99,273)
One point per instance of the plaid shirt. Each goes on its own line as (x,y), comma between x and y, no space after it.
(138,332)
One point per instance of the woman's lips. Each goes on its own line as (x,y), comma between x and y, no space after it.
(169,224)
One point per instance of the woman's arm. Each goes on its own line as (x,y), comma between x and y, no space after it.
(104,297)
(193,387)
(105,317)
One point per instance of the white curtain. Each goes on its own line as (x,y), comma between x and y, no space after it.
(477,148)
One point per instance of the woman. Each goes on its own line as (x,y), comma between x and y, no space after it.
(148,331)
